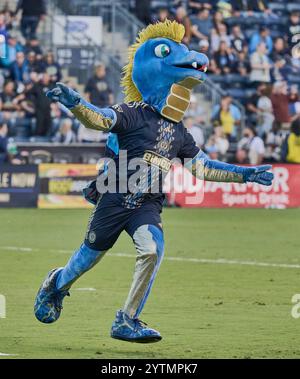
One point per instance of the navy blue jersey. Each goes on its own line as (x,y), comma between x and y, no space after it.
(143,133)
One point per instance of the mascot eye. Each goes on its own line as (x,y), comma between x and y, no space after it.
(162,50)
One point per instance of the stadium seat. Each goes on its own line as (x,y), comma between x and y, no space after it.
(221,79)
(40,139)
(249,32)
(293,79)
(250,92)
(18,139)
(291,7)
(278,8)
(238,94)
(275,33)
(236,80)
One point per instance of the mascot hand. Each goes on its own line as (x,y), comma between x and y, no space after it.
(259,175)
(65,95)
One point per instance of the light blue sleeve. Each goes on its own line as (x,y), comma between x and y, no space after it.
(205,168)
(236,114)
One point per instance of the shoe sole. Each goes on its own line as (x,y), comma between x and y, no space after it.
(139,340)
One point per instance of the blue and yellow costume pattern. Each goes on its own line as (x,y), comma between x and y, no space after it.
(158,81)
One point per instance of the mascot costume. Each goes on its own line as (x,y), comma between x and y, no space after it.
(157,83)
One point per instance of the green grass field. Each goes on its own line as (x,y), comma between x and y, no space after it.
(203,309)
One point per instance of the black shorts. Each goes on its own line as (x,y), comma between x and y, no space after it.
(109,218)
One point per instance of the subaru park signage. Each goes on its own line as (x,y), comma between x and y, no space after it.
(76,30)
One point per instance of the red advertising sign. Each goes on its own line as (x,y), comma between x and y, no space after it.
(284,193)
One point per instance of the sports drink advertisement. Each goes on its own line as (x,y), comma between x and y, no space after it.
(284,193)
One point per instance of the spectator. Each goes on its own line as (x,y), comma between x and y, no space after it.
(237,39)
(224,58)
(2,80)
(217,144)
(279,49)
(163,14)
(294,101)
(225,8)
(86,135)
(42,104)
(228,116)
(14,157)
(204,47)
(213,68)
(280,103)
(34,45)
(143,11)
(211,148)
(217,19)
(9,17)
(259,6)
(3,142)
(263,35)
(65,134)
(182,18)
(33,64)
(217,36)
(251,105)
(97,89)
(195,131)
(281,67)
(196,5)
(260,65)
(293,29)
(273,142)
(248,7)
(196,111)
(52,67)
(201,25)
(25,102)
(3,30)
(291,147)
(19,69)
(241,65)
(265,116)
(8,103)
(12,47)
(32,12)
(251,148)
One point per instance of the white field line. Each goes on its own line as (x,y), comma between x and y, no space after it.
(167,258)
(7,355)
(85,289)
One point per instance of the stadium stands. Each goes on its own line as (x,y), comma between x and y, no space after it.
(248,43)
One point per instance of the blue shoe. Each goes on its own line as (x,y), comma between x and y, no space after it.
(133,330)
(48,301)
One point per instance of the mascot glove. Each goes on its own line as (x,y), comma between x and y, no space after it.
(65,95)
(259,175)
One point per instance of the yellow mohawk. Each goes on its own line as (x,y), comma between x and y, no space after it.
(167,29)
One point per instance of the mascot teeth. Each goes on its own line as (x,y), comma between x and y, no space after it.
(194,64)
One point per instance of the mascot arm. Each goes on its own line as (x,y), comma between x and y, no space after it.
(205,168)
(90,116)
(94,118)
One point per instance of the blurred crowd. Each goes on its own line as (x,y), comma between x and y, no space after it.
(254,59)
(27,72)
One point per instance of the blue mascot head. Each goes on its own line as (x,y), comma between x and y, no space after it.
(162,71)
